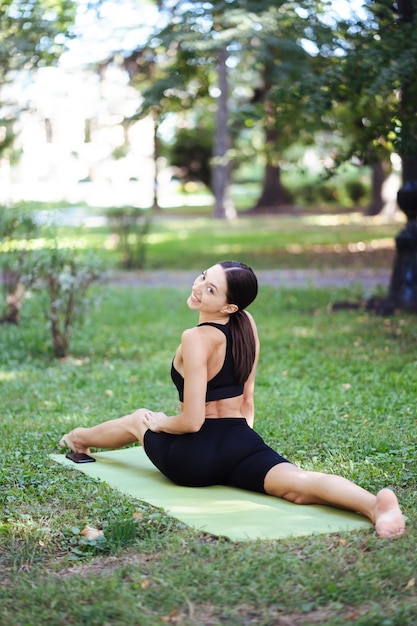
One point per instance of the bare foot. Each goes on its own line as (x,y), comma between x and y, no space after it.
(389,521)
(70,440)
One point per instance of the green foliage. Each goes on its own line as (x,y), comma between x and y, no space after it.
(16,223)
(33,32)
(345,188)
(191,154)
(62,276)
(369,88)
(296,69)
(17,228)
(130,225)
(31,258)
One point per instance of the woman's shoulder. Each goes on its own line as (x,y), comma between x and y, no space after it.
(197,345)
(201,335)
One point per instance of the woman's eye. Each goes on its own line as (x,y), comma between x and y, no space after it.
(210,289)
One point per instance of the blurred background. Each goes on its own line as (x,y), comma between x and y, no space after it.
(262,107)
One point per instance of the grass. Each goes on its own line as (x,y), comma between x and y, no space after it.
(317,241)
(267,242)
(335,392)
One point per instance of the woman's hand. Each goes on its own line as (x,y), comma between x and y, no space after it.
(154,421)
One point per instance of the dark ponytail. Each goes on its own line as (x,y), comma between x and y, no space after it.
(242,289)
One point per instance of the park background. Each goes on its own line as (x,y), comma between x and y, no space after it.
(167,136)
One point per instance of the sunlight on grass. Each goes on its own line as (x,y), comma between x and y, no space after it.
(8,375)
(228,249)
(155,238)
(340,219)
(41,243)
(265,242)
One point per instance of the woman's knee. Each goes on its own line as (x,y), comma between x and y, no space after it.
(287,481)
(136,423)
(137,415)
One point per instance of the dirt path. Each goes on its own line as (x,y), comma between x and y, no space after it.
(368,279)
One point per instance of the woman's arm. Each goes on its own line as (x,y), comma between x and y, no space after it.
(195,349)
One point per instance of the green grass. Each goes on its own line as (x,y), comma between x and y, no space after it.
(284,242)
(291,242)
(335,392)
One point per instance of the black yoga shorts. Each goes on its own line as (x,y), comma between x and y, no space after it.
(225,451)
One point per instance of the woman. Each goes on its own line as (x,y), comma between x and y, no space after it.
(211,441)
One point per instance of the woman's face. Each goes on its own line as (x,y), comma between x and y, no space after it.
(209,290)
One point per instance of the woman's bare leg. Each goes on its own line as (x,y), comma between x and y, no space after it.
(111,434)
(303,487)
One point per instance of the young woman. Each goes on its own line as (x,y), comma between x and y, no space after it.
(211,441)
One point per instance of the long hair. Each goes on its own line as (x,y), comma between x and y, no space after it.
(242,289)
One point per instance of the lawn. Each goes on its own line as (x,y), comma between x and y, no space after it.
(291,241)
(335,392)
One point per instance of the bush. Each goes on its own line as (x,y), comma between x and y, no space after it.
(63,277)
(357,191)
(17,227)
(130,225)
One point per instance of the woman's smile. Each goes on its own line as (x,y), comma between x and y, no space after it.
(194,297)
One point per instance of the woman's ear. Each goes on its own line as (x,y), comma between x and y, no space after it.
(229,308)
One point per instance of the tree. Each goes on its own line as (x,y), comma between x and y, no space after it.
(192,49)
(277,52)
(32,34)
(160,71)
(264,40)
(368,80)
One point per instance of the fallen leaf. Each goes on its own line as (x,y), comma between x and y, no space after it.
(91,533)
(410,584)
(109,392)
(172,618)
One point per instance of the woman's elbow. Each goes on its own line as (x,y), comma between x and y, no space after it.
(192,425)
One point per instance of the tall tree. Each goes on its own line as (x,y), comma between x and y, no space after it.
(201,33)
(281,61)
(263,43)
(169,82)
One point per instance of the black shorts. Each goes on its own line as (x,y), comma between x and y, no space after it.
(225,451)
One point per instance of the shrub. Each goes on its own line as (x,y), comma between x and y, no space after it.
(130,225)
(62,276)
(17,227)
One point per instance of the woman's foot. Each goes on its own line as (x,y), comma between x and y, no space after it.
(389,521)
(71,441)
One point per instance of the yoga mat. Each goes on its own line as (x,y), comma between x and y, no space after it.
(222,511)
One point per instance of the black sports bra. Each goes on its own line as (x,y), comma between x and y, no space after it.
(223,384)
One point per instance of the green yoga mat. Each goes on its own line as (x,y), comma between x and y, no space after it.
(222,511)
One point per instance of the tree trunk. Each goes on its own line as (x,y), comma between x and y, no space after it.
(378,178)
(223,205)
(273,198)
(156,153)
(14,304)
